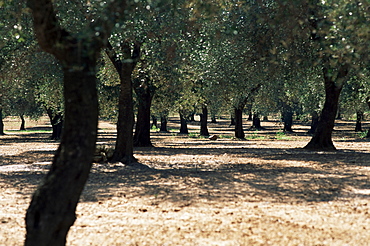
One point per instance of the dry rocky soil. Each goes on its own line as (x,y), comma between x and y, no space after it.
(265,190)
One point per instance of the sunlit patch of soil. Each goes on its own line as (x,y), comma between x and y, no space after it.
(265,190)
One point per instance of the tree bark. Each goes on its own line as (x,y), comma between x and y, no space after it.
(1,122)
(183,124)
(52,210)
(238,112)
(124,150)
(56,120)
(144,92)
(213,119)
(154,122)
(163,124)
(256,122)
(23,123)
(334,80)
(239,132)
(232,120)
(203,121)
(314,122)
(359,118)
(288,120)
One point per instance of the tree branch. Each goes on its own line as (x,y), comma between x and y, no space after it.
(46,26)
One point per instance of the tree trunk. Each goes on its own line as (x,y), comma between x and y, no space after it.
(124,150)
(239,132)
(213,119)
(314,122)
(359,118)
(256,122)
(145,95)
(1,122)
(52,209)
(183,124)
(56,120)
(163,124)
(203,121)
(322,138)
(154,122)
(250,116)
(23,123)
(232,120)
(192,117)
(288,121)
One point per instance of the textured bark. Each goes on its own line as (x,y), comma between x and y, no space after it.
(314,122)
(163,124)
(256,122)
(144,92)
(124,150)
(52,210)
(322,138)
(213,119)
(359,118)
(238,112)
(154,122)
(288,120)
(232,120)
(23,123)
(183,124)
(203,121)
(56,120)
(239,132)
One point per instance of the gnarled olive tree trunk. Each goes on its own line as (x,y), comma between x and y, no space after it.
(124,149)
(203,121)
(334,80)
(183,123)
(238,111)
(164,122)
(144,92)
(52,209)
(238,114)
(56,121)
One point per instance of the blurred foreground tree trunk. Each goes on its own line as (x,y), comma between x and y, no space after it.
(52,209)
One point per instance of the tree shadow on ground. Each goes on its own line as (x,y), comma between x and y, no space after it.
(213,171)
(328,179)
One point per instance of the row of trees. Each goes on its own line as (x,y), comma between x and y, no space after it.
(185,56)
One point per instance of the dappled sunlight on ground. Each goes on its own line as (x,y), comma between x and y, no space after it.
(265,190)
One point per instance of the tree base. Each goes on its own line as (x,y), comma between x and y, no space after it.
(320,146)
(259,128)
(140,144)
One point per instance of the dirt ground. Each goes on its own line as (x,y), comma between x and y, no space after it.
(265,190)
